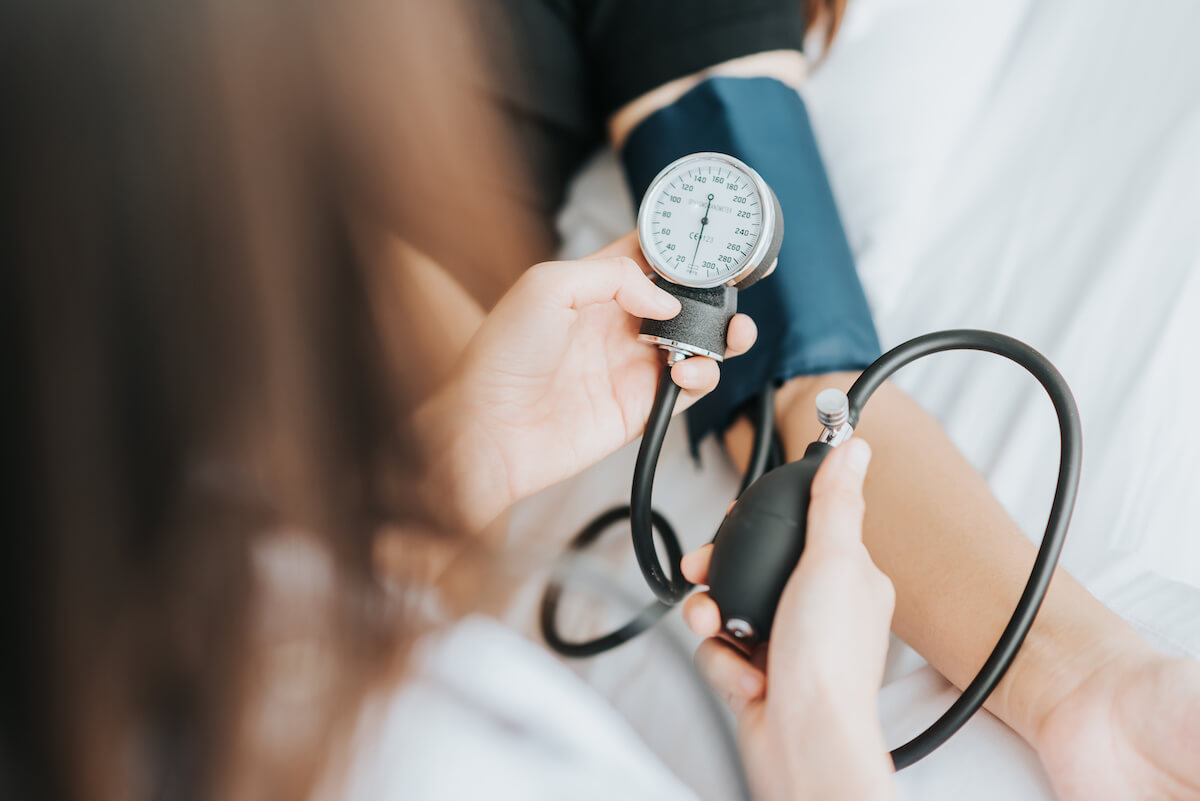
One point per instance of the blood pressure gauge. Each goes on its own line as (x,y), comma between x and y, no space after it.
(709,225)
(707,220)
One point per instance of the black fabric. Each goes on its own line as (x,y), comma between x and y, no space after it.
(633,46)
(560,68)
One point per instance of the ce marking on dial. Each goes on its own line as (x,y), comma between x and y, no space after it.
(704,220)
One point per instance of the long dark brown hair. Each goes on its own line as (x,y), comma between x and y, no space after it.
(201,426)
(195,415)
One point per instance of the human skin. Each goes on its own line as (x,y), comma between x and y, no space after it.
(525,387)
(554,380)
(816,734)
(958,563)
(1084,679)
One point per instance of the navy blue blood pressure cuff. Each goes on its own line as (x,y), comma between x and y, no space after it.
(811,313)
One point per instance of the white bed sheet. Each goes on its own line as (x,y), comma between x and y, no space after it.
(1029,167)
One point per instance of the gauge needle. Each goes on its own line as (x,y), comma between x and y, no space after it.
(700,236)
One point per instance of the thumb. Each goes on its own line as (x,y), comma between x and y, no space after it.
(835,514)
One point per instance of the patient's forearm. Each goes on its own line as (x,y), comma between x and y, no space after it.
(958,561)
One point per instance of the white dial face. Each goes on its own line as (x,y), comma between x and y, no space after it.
(706,216)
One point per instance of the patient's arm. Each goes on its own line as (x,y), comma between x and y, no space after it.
(959,564)
(1110,717)
(958,561)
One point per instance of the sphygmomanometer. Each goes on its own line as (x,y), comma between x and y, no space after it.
(711,225)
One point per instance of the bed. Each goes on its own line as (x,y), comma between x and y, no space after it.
(1029,167)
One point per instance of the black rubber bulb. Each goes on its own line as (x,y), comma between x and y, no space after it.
(759,544)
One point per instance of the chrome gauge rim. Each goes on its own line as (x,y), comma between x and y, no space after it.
(761,246)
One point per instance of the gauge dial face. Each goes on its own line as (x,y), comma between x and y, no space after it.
(702,220)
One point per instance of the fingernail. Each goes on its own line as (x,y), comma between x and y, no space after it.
(750,684)
(858,456)
(689,371)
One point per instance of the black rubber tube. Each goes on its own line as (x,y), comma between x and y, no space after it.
(554,588)
(762,458)
(763,419)
(668,588)
(671,587)
(1070,461)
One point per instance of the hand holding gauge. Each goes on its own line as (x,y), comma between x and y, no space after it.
(709,225)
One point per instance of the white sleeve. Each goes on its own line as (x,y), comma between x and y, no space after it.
(489,715)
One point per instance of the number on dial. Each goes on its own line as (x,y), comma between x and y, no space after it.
(706,218)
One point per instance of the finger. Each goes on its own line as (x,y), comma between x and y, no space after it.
(741,336)
(730,674)
(627,246)
(701,615)
(835,514)
(577,284)
(696,374)
(695,564)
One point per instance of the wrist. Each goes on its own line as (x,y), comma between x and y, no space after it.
(1101,667)
(1074,637)
(1057,660)
(465,482)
